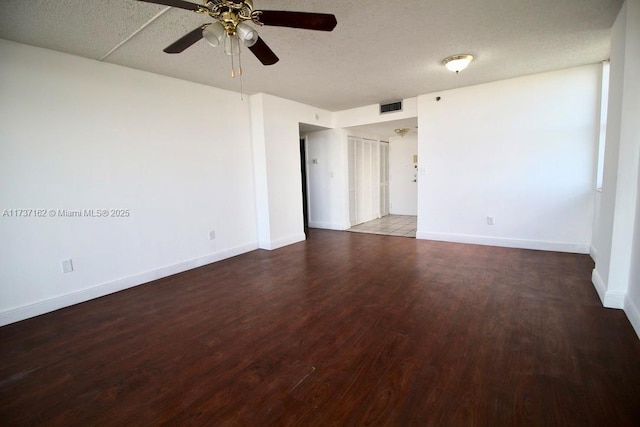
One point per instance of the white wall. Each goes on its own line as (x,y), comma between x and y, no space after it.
(596,235)
(520,150)
(616,275)
(604,228)
(327,179)
(276,143)
(632,302)
(403,192)
(79,134)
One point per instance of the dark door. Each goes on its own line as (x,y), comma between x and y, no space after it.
(303,171)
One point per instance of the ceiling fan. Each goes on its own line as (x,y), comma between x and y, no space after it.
(230,29)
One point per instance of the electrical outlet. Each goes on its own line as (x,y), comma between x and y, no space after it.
(212,235)
(67,266)
(491,220)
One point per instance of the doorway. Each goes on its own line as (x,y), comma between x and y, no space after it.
(305,187)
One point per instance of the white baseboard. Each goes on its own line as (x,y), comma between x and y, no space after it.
(614,299)
(593,252)
(285,241)
(609,299)
(598,283)
(633,314)
(328,225)
(505,242)
(66,300)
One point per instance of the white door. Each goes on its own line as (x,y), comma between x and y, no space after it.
(384,178)
(364,191)
(365,174)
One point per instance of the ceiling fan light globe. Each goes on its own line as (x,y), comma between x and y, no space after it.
(214,34)
(231,45)
(251,41)
(246,34)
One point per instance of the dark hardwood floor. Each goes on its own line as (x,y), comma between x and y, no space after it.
(345,329)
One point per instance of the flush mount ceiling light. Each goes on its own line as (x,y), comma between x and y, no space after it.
(457,63)
(402,131)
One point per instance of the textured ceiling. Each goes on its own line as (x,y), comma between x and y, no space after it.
(380,51)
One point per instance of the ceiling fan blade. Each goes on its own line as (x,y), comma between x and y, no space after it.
(176,3)
(263,52)
(304,20)
(186,41)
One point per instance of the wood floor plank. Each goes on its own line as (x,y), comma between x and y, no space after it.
(343,329)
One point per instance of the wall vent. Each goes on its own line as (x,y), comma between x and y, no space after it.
(391,107)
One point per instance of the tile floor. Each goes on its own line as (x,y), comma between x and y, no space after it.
(392,225)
